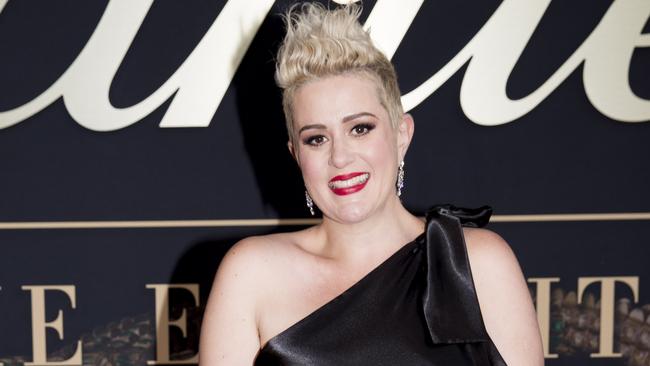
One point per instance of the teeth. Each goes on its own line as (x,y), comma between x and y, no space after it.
(349,182)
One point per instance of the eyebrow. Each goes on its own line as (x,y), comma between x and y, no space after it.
(315,126)
(345,119)
(357,115)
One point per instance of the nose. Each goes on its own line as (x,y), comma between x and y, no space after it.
(340,153)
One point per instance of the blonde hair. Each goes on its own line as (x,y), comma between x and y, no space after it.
(320,43)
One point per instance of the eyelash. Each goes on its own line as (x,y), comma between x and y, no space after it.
(367,126)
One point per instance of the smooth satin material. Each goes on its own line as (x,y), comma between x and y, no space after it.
(418,307)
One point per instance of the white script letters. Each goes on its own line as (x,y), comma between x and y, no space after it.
(199,84)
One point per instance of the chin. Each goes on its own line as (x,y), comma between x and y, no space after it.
(352,213)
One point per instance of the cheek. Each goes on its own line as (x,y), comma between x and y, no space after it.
(381,151)
(311,165)
(382,155)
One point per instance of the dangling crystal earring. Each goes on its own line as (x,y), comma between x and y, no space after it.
(400,178)
(310,203)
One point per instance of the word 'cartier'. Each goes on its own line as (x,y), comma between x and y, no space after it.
(198,85)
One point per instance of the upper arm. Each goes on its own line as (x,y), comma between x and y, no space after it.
(504,299)
(229,334)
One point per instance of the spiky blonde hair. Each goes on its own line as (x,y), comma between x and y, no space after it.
(320,42)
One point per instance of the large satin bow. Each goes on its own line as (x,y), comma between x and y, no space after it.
(450,304)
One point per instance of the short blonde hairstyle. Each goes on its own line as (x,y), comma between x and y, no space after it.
(320,43)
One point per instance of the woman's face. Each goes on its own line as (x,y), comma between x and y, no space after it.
(345,146)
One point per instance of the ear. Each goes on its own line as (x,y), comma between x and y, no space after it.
(292,151)
(405,131)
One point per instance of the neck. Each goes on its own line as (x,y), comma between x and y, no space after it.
(371,240)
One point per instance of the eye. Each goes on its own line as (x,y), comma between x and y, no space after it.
(315,140)
(362,129)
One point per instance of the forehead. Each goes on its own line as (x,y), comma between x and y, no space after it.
(330,99)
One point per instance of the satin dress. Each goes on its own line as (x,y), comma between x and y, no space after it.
(418,307)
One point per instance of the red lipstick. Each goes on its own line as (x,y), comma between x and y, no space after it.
(344,189)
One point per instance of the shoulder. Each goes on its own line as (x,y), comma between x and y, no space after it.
(253,266)
(251,261)
(504,298)
(487,248)
(229,332)
(482,239)
(248,253)
(493,265)
(241,262)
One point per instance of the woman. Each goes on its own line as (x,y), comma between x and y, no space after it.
(371,284)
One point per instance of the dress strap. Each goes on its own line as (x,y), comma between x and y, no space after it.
(450,304)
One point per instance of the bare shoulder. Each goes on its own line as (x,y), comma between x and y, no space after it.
(254,254)
(229,332)
(485,241)
(254,258)
(488,251)
(504,299)
(251,264)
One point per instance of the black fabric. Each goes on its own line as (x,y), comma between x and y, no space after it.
(418,307)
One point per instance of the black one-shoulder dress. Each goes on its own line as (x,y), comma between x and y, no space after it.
(418,307)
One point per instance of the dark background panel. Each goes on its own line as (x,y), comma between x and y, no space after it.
(111,267)
(58,170)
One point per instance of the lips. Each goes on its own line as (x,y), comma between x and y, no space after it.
(348,183)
